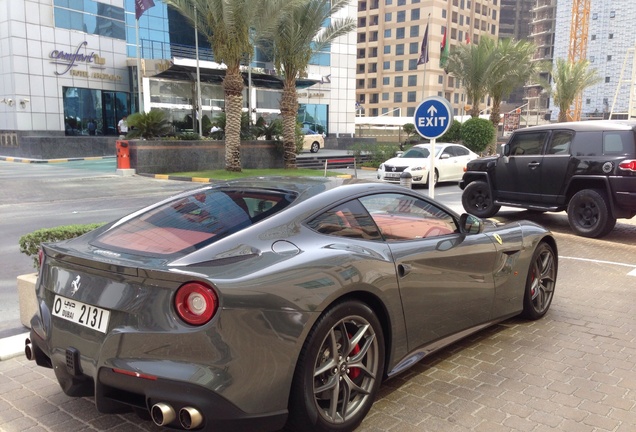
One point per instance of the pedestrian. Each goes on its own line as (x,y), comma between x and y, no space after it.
(122,127)
(92,127)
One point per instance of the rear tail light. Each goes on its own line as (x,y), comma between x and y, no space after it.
(196,303)
(628,165)
(40,257)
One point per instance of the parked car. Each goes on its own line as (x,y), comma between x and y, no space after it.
(450,163)
(586,168)
(312,141)
(259,303)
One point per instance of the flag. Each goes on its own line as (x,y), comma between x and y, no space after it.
(142,6)
(444,49)
(467,38)
(424,52)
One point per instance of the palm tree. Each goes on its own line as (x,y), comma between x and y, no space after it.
(472,64)
(513,67)
(299,36)
(570,79)
(228,25)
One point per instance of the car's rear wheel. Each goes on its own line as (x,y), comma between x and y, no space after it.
(589,213)
(315,146)
(339,370)
(477,200)
(540,282)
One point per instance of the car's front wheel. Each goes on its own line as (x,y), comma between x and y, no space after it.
(540,282)
(339,370)
(315,146)
(477,200)
(589,214)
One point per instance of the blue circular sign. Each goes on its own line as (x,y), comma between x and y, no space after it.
(433,116)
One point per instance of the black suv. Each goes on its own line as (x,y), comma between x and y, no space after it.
(586,168)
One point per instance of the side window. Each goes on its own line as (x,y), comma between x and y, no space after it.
(404,217)
(346,220)
(617,143)
(460,151)
(527,144)
(560,143)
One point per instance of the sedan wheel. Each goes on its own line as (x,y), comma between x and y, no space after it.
(339,370)
(477,200)
(314,147)
(540,282)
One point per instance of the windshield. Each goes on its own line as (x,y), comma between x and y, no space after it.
(191,222)
(419,152)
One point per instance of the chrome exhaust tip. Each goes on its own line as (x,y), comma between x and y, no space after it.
(162,414)
(190,418)
(28,349)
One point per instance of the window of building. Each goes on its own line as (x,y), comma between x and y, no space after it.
(443,13)
(415,14)
(399,49)
(456,98)
(398,81)
(414,48)
(360,84)
(373,67)
(609,58)
(373,83)
(411,96)
(362,53)
(362,22)
(373,112)
(594,16)
(397,97)
(412,80)
(388,2)
(373,98)
(386,65)
(593,37)
(93,112)
(415,31)
(612,14)
(386,81)
(387,49)
(440,79)
(387,33)
(611,36)
(413,64)
(373,36)
(401,16)
(362,37)
(607,79)
(91,17)
(385,96)
(399,33)
(373,20)
(410,111)
(401,2)
(373,52)
(399,65)
(592,59)
(388,17)
(361,68)
(588,101)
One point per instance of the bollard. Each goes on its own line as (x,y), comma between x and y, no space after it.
(406,180)
(123,155)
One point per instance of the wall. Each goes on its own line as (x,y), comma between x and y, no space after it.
(162,157)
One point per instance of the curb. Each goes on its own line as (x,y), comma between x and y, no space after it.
(12,346)
(28,160)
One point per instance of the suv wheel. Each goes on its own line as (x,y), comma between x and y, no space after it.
(477,200)
(589,213)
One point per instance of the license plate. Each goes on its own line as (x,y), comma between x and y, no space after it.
(80,313)
(392,175)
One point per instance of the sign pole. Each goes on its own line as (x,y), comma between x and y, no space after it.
(431,171)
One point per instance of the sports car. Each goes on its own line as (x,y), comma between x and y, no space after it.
(269,303)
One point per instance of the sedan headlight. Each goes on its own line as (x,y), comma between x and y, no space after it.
(381,167)
(418,168)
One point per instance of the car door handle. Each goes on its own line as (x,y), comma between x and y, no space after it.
(403,269)
(534,164)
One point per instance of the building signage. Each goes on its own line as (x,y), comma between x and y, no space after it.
(70,60)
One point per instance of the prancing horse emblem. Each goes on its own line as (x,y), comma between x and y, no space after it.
(75,285)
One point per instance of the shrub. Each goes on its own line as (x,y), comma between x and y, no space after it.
(152,124)
(189,136)
(453,134)
(31,243)
(477,134)
(378,153)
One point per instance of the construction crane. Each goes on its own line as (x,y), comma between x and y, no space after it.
(577,49)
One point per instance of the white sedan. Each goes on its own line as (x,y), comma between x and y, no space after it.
(450,162)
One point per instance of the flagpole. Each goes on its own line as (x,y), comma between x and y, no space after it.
(428,22)
(141,102)
(196,44)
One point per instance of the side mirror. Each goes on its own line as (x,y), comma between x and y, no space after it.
(445,156)
(469,224)
(506,150)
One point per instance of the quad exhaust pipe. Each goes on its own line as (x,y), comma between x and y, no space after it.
(163,414)
(28,349)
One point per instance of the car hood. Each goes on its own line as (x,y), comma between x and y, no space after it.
(409,162)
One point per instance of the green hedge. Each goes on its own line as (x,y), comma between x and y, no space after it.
(30,243)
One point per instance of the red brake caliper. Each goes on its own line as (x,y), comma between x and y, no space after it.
(354,372)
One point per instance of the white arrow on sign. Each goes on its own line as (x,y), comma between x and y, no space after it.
(432,110)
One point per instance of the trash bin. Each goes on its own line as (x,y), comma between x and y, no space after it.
(123,155)
(406,180)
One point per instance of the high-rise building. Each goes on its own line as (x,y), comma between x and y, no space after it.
(389,80)
(610,51)
(542,34)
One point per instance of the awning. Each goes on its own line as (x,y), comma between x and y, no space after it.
(213,73)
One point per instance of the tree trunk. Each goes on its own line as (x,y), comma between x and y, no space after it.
(289,111)
(563,116)
(233,87)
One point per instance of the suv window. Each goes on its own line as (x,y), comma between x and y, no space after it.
(527,144)
(618,143)
(560,143)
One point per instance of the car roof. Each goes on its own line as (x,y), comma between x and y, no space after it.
(586,126)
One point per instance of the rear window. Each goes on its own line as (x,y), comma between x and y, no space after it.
(191,222)
(618,143)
